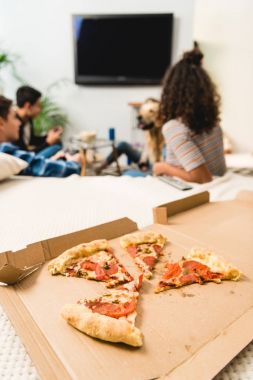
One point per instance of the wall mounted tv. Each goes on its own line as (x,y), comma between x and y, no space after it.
(122,49)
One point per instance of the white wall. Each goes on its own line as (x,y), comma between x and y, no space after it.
(224,29)
(41,33)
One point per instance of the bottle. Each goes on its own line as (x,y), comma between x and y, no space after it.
(111,134)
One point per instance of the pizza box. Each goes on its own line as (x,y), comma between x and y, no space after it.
(189,333)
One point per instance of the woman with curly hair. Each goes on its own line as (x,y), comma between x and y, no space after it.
(190,114)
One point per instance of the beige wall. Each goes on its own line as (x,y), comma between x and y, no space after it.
(224,29)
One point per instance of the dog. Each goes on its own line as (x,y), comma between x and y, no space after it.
(148,121)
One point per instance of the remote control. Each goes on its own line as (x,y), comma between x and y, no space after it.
(177,183)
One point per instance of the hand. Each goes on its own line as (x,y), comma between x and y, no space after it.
(58,155)
(74,157)
(159,168)
(54,135)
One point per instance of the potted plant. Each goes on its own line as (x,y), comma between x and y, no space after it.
(51,115)
(8,61)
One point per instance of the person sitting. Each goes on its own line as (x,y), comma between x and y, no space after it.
(28,107)
(190,114)
(38,165)
(153,141)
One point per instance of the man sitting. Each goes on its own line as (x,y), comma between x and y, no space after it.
(38,165)
(28,107)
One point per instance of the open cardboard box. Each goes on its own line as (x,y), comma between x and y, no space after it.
(189,333)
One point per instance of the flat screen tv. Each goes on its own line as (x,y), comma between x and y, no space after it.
(122,49)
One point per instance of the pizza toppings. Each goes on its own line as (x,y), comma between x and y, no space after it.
(132,250)
(114,309)
(102,266)
(149,260)
(145,249)
(189,271)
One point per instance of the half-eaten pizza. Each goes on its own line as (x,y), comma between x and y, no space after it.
(144,247)
(93,261)
(110,317)
(199,266)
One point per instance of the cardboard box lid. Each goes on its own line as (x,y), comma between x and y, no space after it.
(14,266)
(162,212)
(227,225)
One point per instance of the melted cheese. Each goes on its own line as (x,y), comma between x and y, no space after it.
(215,263)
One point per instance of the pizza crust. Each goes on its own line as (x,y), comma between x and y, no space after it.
(60,263)
(101,326)
(215,263)
(142,237)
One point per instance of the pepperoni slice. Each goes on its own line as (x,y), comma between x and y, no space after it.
(190,278)
(193,265)
(173,270)
(149,260)
(132,250)
(113,310)
(101,273)
(138,286)
(112,270)
(211,276)
(201,269)
(157,248)
(88,265)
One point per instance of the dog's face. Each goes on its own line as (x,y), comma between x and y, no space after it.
(148,114)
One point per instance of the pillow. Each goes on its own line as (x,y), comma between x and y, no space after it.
(10,165)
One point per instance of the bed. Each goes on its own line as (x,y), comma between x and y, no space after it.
(39,208)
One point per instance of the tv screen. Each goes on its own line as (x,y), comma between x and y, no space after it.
(122,49)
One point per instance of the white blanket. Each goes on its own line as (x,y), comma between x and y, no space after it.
(34,209)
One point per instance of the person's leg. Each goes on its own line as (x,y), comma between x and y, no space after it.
(127,149)
(122,148)
(50,151)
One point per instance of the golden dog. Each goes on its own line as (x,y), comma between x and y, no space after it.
(148,121)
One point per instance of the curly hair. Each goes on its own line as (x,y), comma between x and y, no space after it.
(189,94)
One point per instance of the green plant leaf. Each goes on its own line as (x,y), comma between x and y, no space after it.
(50,116)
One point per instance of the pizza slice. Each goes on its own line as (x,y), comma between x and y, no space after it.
(110,317)
(144,247)
(92,261)
(199,266)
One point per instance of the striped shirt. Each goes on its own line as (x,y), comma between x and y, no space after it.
(187,150)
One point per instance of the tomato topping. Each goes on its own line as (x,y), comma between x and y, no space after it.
(112,270)
(211,275)
(173,270)
(189,279)
(138,286)
(101,273)
(88,265)
(201,269)
(132,250)
(113,310)
(149,260)
(157,248)
(194,265)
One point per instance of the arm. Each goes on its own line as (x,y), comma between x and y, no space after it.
(40,142)
(189,164)
(200,175)
(41,167)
